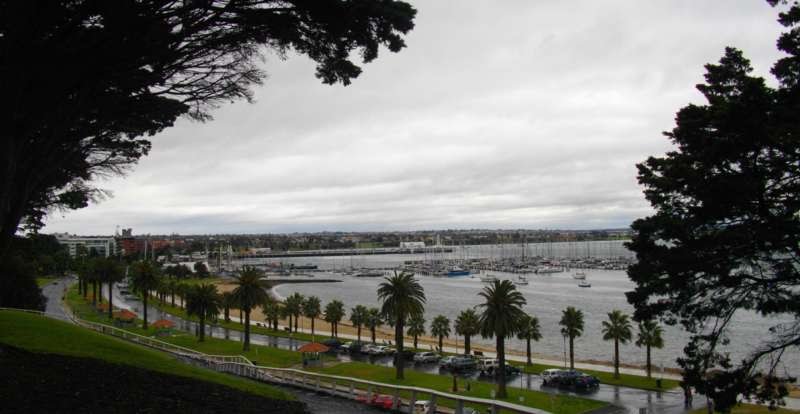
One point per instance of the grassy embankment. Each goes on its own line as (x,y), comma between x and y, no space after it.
(264,355)
(43,335)
(562,404)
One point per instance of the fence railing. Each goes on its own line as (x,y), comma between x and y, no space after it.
(403,397)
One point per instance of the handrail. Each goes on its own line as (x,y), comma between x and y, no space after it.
(246,367)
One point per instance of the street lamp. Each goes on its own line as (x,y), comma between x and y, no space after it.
(565,350)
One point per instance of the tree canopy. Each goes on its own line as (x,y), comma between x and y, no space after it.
(725,235)
(128,69)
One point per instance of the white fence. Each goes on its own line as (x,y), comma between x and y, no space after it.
(335,385)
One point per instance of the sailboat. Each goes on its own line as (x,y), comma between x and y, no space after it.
(521,280)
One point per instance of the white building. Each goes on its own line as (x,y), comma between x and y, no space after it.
(412,245)
(104,246)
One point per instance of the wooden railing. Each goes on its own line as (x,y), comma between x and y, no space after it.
(403,397)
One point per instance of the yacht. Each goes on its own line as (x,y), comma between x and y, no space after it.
(579,276)
(521,281)
(584,284)
(488,278)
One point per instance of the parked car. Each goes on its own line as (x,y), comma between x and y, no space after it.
(422,407)
(367,348)
(426,357)
(458,363)
(382,401)
(332,343)
(549,375)
(511,370)
(485,364)
(585,382)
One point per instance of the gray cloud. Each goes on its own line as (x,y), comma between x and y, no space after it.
(509,114)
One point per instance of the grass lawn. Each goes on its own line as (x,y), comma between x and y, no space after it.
(264,355)
(750,409)
(43,335)
(43,281)
(625,380)
(553,403)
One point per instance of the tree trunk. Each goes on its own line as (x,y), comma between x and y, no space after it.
(227,311)
(466,345)
(296,320)
(571,352)
(440,343)
(528,350)
(144,307)
(110,301)
(616,358)
(290,322)
(648,361)
(359,333)
(398,337)
(240,316)
(373,334)
(247,329)
(415,342)
(500,375)
(94,293)
(202,327)
(312,328)
(173,298)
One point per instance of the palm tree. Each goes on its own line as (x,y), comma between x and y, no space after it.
(294,306)
(440,328)
(109,271)
(618,329)
(145,277)
(311,309)
(272,312)
(373,320)
(334,313)
(203,301)
(358,316)
(650,337)
(403,298)
(416,327)
(529,329)
(226,301)
(468,325)
(571,327)
(502,311)
(172,286)
(248,294)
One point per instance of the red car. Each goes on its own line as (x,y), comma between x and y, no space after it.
(380,401)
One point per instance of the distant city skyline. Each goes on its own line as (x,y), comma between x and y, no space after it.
(527,116)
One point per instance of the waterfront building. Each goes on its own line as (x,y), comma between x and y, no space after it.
(103,245)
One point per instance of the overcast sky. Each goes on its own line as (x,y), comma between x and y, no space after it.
(508,114)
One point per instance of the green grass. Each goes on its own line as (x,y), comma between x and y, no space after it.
(264,355)
(236,326)
(560,404)
(750,409)
(43,281)
(193,281)
(39,334)
(625,380)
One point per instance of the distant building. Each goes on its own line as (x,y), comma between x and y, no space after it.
(412,245)
(104,246)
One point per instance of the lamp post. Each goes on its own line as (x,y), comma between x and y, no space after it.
(565,350)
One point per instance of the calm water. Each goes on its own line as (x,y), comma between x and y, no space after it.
(547,296)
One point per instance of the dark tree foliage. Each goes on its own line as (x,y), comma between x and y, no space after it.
(725,236)
(18,287)
(85,82)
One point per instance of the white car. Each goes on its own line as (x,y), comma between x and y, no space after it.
(550,374)
(424,357)
(422,407)
(485,364)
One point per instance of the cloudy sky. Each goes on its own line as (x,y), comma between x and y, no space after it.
(508,114)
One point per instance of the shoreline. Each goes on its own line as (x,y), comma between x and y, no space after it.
(451,344)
